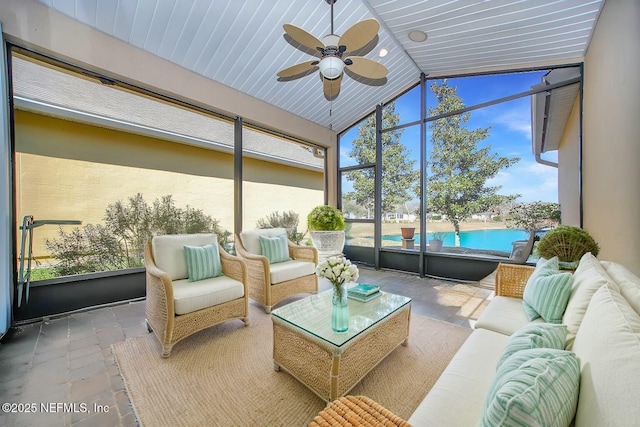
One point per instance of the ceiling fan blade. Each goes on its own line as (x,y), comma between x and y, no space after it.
(359,35)
(367,68)
(303,37)
(298,69)
(332,87)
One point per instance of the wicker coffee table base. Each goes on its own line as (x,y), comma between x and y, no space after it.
(357,411)
(332,371)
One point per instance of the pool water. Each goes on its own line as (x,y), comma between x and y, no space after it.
(499,240)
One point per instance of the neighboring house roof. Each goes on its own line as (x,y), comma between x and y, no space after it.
(50,91)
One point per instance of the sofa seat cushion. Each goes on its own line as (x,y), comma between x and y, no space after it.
(251,238)
(289,270)
(458,397)
(587,279)
(628,282)
(504,315)
(168,251)
(608,347)
(192,296)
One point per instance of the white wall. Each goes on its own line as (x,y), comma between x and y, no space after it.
(611,134)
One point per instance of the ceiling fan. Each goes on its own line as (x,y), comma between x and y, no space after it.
(335,53)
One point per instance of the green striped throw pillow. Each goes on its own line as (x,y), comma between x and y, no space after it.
(535,335)
(276,249)
(203,262)
(536,387)
(547,293)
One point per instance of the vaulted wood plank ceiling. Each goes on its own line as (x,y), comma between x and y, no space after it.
(241,44)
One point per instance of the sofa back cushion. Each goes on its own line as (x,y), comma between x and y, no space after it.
(608,347)
(251,238)
(628,283)
(168,251)
(587,279)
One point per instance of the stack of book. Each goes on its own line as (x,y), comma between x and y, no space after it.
(363,292)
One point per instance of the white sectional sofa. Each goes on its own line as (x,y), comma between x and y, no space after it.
(602,319)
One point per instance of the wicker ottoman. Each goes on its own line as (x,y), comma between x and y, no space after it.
(357,411)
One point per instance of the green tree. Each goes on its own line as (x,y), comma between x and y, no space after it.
(119,242)
(459,168)
(398,177)
(533,216)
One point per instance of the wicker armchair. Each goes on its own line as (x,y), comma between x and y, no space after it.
(511,279)
(271,283)
(176,308)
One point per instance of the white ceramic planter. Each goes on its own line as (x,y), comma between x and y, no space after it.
(435,245)
(328,243)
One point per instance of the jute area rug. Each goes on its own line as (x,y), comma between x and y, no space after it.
(224,376)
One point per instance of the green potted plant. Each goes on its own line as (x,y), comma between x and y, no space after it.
(326,227)
(568,243)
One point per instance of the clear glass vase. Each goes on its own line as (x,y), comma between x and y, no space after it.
(340,311)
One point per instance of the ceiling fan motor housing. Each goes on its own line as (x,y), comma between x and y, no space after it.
(331,65)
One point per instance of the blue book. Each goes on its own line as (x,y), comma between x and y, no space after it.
(364,299)
(363,289)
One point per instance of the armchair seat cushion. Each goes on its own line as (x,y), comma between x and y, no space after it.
(289,270)
(192,296)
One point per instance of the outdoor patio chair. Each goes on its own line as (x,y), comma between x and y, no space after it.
(278,271)
(192,283)
(521,251)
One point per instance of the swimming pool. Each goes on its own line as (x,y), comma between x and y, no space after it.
(499,240)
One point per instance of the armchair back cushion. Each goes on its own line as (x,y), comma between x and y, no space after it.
(168,251)
(251,238)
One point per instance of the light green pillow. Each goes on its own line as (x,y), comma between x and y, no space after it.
(536,387)
(203,262)
(535,335)
(276,249)
(547,292)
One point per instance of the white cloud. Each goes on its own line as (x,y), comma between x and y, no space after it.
(517,118)
(531,180)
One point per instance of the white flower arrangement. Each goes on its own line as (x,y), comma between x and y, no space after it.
(338,270)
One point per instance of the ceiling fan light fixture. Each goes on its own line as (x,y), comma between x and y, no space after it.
(383,52)
(331,67)
(418,36)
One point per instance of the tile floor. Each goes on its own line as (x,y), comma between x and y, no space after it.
(61,371)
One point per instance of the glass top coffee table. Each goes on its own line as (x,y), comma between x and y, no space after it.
(331,363)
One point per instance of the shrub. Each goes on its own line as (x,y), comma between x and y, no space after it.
(119,243)
(288,220)
(567,243)
(325,218)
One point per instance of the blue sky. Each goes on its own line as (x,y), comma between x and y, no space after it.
(510,133)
